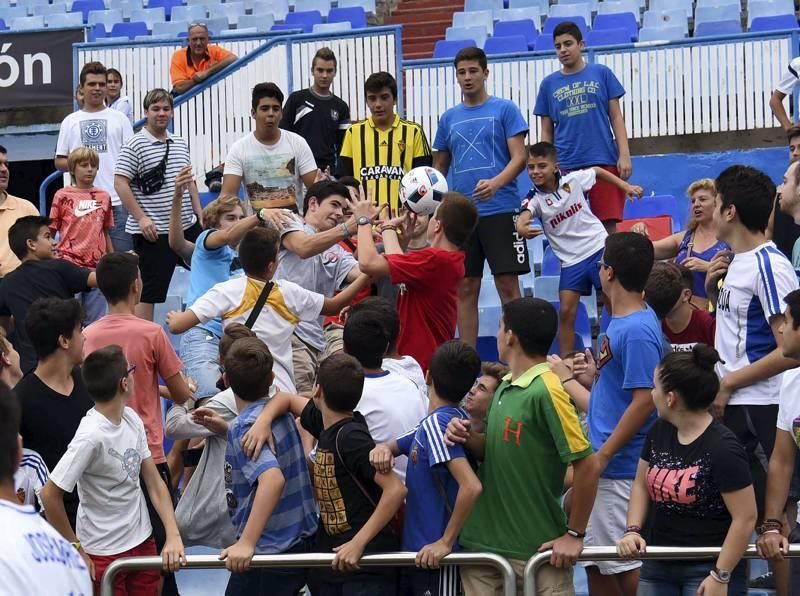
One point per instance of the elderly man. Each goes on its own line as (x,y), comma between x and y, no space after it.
(198,61)
(11,209)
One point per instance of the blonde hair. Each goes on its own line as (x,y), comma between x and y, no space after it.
(701,184)
(80,155)
(213,212)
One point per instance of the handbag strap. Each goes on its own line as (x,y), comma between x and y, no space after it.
(259,305)
(352,476)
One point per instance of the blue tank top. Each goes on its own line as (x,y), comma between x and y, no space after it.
(706,255)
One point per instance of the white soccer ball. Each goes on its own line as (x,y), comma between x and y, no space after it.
(422,189)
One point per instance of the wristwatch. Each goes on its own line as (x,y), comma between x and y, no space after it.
(575,533)
(363,220)
(723,575)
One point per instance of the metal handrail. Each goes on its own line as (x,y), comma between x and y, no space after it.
(313,560)
(609,553)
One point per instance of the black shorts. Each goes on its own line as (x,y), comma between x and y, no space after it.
(157,263)
(495,240)
(170,587)
(444,581)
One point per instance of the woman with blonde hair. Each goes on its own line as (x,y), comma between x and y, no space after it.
(695,246)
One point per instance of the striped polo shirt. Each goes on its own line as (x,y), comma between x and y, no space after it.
(143,153)
(295,515)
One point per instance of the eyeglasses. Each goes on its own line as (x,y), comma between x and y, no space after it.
(131,369)
(602,264)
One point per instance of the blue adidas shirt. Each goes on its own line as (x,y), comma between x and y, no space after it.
(577,103)
(477,139)
(428,480)
(626,360)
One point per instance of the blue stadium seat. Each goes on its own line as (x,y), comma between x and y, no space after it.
(339,27)
(237,32)
(607,37)
(665,5)
(149,16)
(130,30)
(3,25)
(107,17)
(13,12)
(657,205)
(127,7)
(736,3)
(306,19)
(85,6)
(618,20)
(49,9)
(355,15)
(776,23)
(550,263)
(519,14)
(510,44)
(768,8)
(188,14)
(476,34)
(710,14)
(472,5)
(661,34)
(482,18)
(167,5)
(70,19)
(448,48)
(262,22)
(711,28)
(667,19)
(27,23)
(120,39)
(546,287)
(96,32)
(552,22)
(323,6)
(173,29)
(367,5)
(571,11)
(544,43)
(583,329)
(524,27)
(230,10)
(294,27)
(488,295)
(620,7)
(217,24)
(542,4)
(277,8)
(489,320)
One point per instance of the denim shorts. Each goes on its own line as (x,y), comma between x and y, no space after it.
(581,276)
(682,578)
(200,355)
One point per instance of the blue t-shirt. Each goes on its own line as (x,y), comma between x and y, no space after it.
(577,104)
(477,139)
(428,479)
(210,267)
(626,359)
(295,516)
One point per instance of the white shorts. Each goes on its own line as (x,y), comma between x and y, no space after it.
(607,523)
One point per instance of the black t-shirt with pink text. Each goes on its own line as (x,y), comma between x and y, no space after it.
(686,483)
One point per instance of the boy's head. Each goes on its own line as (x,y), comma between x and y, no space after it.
(568,41)
(93,84)
(365,338)
(543,163)
(745,198)
(340,382)
(30,237)
(793,137)
(118,277)
(107,374)
(258,252)
(231,333)
(10,441)
(83,163)
(627,261)
(9,357)
(325,203)
(248,369)
(452,370)
(54,326)
(790,328)
(380,91)
(386,313)
(267,105)
(158,109)
(223,213)
(480,394)
(666,289)
(455,218)
(323,69)
(471,70)
(528,325)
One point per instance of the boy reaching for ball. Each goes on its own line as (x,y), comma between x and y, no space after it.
(576,235)
(428,278)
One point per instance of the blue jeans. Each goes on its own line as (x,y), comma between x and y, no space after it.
(121,240)
(271,580)
(682,578)
(200,355)
(94,305)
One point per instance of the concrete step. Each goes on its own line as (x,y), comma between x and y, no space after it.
(415,30)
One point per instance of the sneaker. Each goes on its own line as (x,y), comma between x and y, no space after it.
(763,582)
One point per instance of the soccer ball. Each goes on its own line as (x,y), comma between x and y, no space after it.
(422,189)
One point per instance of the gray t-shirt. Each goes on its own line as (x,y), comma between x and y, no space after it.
(324,273)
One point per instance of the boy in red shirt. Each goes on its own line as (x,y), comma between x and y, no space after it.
(81,215)
(428,302)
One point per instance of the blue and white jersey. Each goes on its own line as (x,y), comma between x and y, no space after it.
(428,480)
(35,558)
(753,291)
(30,477)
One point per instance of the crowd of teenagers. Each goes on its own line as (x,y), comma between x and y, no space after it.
(319,402)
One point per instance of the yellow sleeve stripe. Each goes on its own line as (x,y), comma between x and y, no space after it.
(275,301)
(567,414)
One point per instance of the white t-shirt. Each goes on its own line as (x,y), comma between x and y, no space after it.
(753,291)
(789,408)
(35,558)
(123,104)
(790,77)
(104,460)
(572,229)
(286,306)
(408,367)
(30,477)
(392,405)
(106,132)
(272,173)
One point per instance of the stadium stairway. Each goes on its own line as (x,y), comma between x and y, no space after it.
(424,23)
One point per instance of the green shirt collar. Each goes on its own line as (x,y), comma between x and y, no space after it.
(528,376)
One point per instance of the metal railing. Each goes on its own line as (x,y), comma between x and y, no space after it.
(312,560)
(609,553)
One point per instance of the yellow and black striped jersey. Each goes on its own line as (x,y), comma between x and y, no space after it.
(382,157)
